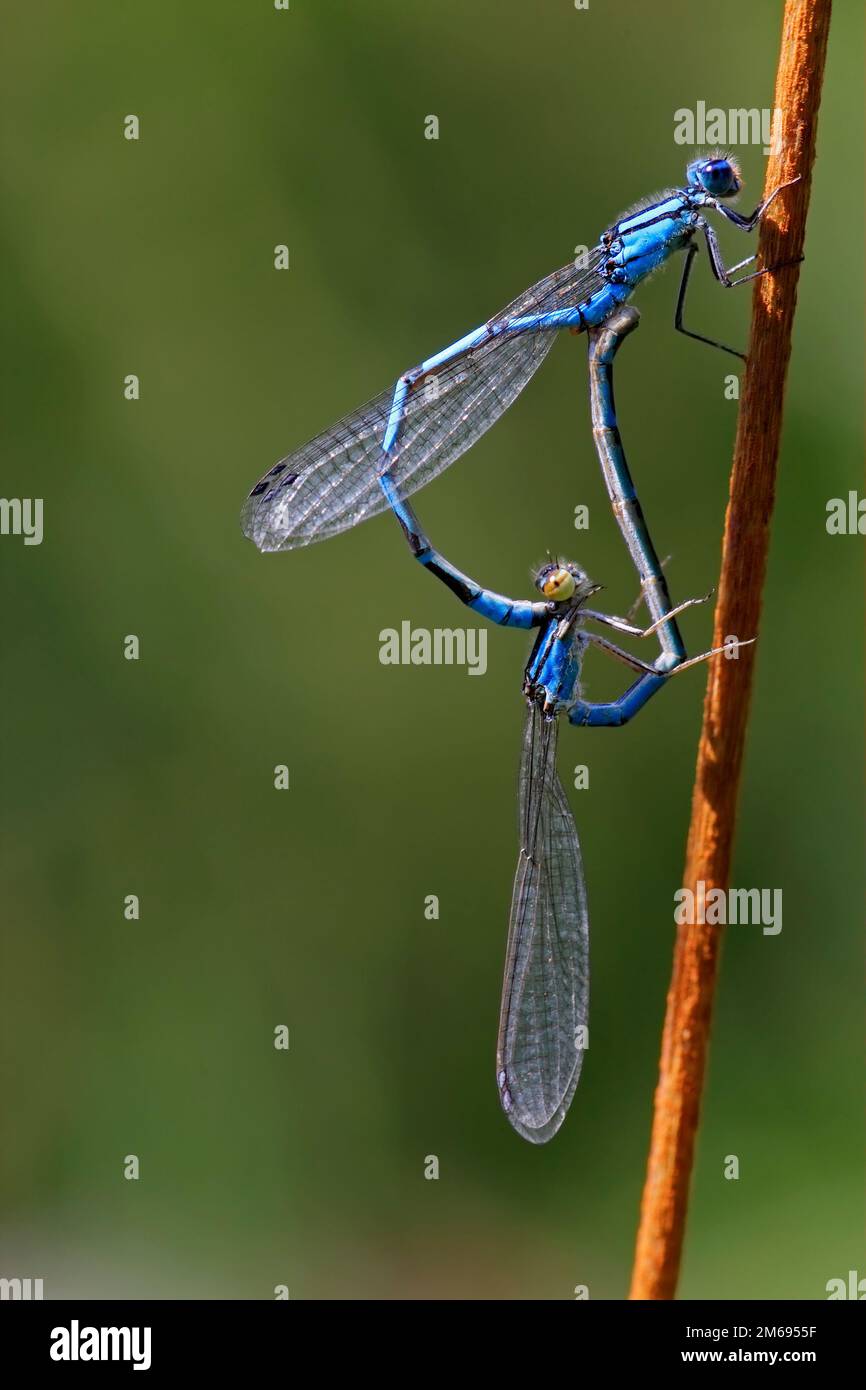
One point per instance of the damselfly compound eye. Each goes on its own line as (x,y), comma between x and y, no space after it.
(556,583)
(719,176)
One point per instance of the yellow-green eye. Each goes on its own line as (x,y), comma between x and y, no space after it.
(558,585)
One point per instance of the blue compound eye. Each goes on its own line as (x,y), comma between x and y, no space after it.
(718,177)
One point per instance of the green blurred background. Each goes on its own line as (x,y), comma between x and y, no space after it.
(306,908)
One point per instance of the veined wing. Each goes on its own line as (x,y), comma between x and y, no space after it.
(545,993)
(332,483)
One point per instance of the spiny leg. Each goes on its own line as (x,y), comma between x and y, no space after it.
(615,713)
(722,272)
(727,650)
(620,655)
(623,625)
(691,252)
(746,224)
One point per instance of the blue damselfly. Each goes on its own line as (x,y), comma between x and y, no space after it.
(405,437)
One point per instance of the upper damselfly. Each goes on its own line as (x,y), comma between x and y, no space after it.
(406,436)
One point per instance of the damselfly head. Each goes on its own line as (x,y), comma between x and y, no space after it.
(562,582)
(718,175)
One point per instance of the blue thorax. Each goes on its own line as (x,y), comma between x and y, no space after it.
(552,677)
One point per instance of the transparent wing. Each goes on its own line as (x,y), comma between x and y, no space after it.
(332,483)
(545,993)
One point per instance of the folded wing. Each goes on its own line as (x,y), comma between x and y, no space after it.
(545,993)
(332,483)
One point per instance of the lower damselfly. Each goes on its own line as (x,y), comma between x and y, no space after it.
(545,995)
(543,1023)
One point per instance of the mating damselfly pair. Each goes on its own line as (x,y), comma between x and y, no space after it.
(376,458)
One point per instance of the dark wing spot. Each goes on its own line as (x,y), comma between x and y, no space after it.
(272,492)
